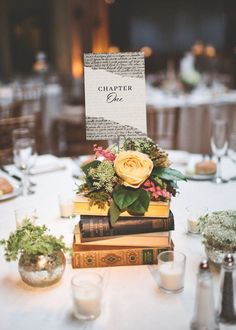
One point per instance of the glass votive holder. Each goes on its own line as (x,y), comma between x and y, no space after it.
(171,271)
(194,213)
(87,295)
(25,214)
(66,206)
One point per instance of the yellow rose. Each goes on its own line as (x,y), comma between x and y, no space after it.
(133,167)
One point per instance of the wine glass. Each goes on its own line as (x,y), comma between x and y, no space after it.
(219,145)
(24,153)
(232,147)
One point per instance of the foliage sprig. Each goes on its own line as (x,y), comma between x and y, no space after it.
(31,240)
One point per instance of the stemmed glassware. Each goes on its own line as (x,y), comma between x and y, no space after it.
(232,147)
(24,153)
(219,145)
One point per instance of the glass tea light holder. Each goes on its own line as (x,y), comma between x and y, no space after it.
(24,214)
(193,215)
(66,206)
(87,295)
(171,271)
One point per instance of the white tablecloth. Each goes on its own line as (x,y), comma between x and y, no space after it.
(132,299)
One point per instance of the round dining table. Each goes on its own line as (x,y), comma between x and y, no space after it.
(131,298)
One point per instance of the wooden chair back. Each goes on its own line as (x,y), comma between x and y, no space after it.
(162,126)
(8,124)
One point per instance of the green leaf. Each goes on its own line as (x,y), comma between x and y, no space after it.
(140,206)
(93,164)
(173,184)
(125,196)
(31,239)
(114,213)
(168,174)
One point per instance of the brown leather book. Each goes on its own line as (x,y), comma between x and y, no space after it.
(99,226)
(109,256)
(137,240)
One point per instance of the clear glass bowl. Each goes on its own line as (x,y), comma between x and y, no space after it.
(216,256)
(42,270)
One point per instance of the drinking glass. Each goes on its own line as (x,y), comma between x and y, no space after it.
(219,145)
(24,153)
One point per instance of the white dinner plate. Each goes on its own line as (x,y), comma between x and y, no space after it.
(199,177)
(16,192)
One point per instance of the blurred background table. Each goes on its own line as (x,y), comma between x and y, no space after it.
(183,121)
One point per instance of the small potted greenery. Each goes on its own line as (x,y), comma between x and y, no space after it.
(219,234)
(41,258)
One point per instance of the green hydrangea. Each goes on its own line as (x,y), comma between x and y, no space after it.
(104,176)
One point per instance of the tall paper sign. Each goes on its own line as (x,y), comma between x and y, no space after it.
(114,95)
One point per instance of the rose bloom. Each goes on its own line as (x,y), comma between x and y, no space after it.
(133,167)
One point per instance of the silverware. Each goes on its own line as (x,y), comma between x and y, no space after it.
(16,177)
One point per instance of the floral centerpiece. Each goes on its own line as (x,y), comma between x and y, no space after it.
(219,234)
(129,177)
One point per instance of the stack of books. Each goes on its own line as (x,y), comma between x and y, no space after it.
(133,240)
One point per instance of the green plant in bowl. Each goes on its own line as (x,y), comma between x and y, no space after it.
(41,258)
(219,234)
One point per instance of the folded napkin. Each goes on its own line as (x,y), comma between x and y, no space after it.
(178,157)
(47,163)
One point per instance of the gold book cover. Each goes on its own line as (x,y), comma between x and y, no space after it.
(155,209)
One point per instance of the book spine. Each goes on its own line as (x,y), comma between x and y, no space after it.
(116,257)
(99,226)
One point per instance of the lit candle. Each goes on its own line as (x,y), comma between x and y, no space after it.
(66,210)
(87,295)
(25,214)
(193,225)
(66,206)
(171,267)
(171,276)
(87,304)
(194,213)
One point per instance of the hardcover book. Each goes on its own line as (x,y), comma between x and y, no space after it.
(99,226)
(82,206)
(142,240)
(103,256)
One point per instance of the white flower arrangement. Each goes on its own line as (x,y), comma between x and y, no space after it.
(219,230)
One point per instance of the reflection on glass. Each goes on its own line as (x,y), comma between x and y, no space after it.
(219,144)
(232,147)
(24,153)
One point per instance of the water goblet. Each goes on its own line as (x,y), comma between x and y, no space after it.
(232,147)
(219,145)
(18,133)
(24,153)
